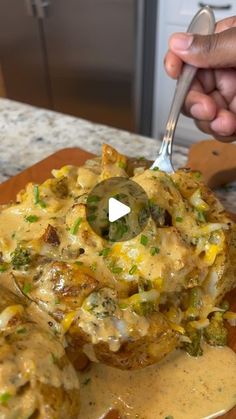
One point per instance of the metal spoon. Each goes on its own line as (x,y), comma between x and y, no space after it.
(203,23)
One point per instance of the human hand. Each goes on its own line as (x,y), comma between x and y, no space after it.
(211,101)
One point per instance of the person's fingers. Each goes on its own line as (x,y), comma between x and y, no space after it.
(232,105)
(206,51)
(207,79)
(224,124)
(205,126)
(173,65)
(200,106)
(224,24)
(219,100)
(225,83)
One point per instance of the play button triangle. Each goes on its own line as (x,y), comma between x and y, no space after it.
(117,209)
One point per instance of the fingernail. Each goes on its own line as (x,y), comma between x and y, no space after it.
(218,126)
(196,110)
(181,41)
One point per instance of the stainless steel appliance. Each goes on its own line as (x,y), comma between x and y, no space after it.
(89,58)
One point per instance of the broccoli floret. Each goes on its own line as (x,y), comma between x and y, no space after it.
(21,257)
(216,334)
(194,348)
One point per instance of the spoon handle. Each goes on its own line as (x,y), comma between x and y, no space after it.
(203,23)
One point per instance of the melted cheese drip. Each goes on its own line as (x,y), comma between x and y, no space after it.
(180,386)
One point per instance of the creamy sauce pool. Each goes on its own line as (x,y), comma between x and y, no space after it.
(179,387)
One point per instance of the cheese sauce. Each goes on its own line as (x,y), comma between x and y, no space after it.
(179,387)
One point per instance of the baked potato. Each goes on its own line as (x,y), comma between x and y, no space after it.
(127,303)
(36,378)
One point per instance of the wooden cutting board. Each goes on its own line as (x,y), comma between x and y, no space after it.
(75,156)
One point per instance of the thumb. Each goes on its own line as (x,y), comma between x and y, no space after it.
(206,51)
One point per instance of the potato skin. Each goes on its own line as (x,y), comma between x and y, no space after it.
(134,353)
(138,354)
(34,369)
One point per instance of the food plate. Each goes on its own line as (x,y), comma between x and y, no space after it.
(41,171)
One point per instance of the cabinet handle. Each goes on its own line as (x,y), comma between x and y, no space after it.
(215,7)
(41,7)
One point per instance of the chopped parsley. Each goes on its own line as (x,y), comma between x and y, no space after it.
(104,252)
(26,288)
(154,250)
(144,240)
(5,397)
(74,229)
(32,218)
(133,269)
(179,219)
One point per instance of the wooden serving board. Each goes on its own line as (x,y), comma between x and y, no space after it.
(76,156)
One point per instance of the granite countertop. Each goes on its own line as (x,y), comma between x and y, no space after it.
(29,134)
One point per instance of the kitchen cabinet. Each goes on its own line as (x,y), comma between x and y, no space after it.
(82,57)
(175,16)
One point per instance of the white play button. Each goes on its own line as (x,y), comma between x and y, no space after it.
(117,209)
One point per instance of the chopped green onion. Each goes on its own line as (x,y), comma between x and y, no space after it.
(26,288)
(93,267)
(37,199)
(32,218)
(54,358)
(93,198)
(78,263)
(86,381)
(154,250)
(104,252)
(133,269)
(144,240)
(22,330)
(36,194)
(179,219)
(57,301)
(4,397)
(201,216)
(42,204)
(155,169)
(197,175)
(116,270)
(122,164)
(91,218)
(3,267)
(74,229)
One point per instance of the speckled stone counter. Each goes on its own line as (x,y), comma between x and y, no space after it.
(29,134)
